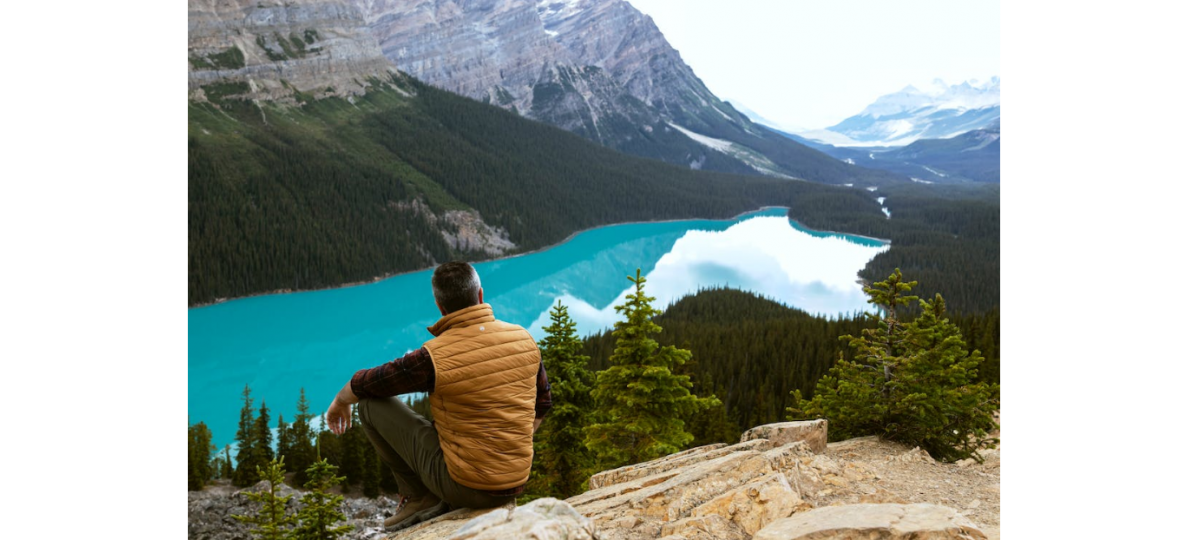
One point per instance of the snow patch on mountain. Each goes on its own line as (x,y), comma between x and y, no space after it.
(753,159)
(716,144)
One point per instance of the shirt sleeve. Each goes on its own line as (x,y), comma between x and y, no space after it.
(544,394)
(410,373)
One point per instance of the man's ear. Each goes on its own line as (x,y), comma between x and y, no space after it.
(480,295)
(439,308)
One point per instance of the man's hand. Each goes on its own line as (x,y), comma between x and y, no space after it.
(339,413)
(338,416)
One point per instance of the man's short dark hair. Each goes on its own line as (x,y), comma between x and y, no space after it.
(456,286)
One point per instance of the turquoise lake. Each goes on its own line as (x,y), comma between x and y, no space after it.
(280,343)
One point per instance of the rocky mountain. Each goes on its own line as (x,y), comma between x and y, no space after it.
(598,68)
(781,481)
(973,156)
(282,51)
(314,163)
(938,111)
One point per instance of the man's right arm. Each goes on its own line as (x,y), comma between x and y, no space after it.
(544,397)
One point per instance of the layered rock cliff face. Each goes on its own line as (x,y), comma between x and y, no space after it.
(599,68)
(281,50)
(274,56)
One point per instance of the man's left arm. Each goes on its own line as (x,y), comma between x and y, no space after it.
(544,397)
(410,373)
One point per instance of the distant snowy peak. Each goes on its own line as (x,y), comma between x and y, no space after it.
(910,98)
(938,96)
(937,111)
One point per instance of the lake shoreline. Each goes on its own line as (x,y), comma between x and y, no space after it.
(883,241)
(567,239)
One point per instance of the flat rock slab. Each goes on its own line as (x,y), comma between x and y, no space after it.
(668,463)
(541,519)
(867,521)
(811,432)
(441,527)
(672,495)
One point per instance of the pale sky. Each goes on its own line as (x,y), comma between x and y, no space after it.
(811,64)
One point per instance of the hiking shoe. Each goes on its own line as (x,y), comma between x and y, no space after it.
(435,510)
(408,509)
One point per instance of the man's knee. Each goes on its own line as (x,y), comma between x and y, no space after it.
(364,408)
(371,410)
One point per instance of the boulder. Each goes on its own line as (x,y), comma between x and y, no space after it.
(671,495)
(541,519)
(882,521)
(443,526)
(755,504)
(812,432)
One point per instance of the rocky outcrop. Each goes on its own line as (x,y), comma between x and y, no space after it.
(751,489)
(715,491)
(883,521)
(861,488)
(812,433)
(281,50)
(463,230)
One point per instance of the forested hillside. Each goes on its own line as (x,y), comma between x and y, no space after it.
(947,237)
(314,196)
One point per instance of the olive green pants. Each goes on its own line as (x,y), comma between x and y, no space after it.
(407,443)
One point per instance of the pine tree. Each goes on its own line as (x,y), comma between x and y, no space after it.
(302,448)
(262,436)
(372,471)
(320,515)
(328,446)
(228,471)
(714,426)
(200,448)
(284,437)
(915,382)
(271,522)
(640,402)
(245,470)
(562,461)
(216,466)
(353,447)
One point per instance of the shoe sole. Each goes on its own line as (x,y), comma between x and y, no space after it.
(419,517)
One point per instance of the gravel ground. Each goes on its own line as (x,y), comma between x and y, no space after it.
(868,470)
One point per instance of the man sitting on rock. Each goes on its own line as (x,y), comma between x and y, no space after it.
(488,392)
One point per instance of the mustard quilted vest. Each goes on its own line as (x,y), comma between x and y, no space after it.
(484,400)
